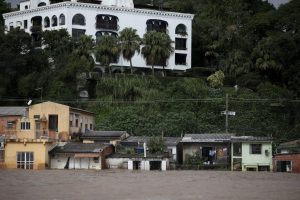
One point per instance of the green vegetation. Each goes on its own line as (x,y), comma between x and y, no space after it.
(235,42)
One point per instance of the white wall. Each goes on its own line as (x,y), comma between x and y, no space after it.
(135,18)
(117,163)
(59,162)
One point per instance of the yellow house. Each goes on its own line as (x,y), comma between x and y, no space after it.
(55,121)
(25,154)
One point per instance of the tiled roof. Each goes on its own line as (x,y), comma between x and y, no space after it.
(207,137)
(6,111)
(100,134)
(294,143)
(76,147)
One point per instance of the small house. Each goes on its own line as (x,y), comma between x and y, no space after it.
(287,157)
(212,150)
(112,137)
(75,155)
(249,153)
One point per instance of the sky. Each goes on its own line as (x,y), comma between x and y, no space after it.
(275,2)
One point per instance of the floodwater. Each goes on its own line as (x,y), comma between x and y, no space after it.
(146,185)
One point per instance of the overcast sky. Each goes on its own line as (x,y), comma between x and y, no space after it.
(275,2)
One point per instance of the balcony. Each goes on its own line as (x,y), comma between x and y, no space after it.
(46,134)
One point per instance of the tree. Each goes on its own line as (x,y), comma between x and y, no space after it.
(130,43)
(156,145)
(107,51)
(216,80)
(156,48)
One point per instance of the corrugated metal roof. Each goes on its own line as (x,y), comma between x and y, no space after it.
(250,139)
(100,134)
(7,111)
(77,147)
(141,139)
(207,137)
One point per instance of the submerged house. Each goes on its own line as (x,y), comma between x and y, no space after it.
(112,137)
(287,157)
(212,149)
(249,153)
(75,155)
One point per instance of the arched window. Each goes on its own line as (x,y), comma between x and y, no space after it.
(54,20)
(19,24)
(108,22)
(99,34)
(41,4)
(62,19)
(181,30)
(78,19)
(157,25)
(46,22)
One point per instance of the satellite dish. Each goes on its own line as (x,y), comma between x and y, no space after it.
(29,102)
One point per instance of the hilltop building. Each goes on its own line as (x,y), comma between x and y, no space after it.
(107,17)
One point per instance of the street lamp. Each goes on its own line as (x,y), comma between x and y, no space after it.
(41,89)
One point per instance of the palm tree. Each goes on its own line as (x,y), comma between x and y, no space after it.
(156,48)
(167,48)
(130,43)
(107,51)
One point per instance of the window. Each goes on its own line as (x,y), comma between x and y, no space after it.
(46,22)
(25,24)
(25,125)
(62,19)
(255,149)
(180,59)
(157,25)
(96,160)
(78,19)
(86,126)
(76,33)
(54,20)
(109,22)
(91,126)
(71,123)
(2,155)
(76,122)
(53,122)
(25,160)
(10,124)
(180,43)
(41,4)
(26,7)
(181,30)
(237,149)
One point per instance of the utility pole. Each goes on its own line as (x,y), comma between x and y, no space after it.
(226,114)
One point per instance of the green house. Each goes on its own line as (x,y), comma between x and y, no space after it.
(250,153)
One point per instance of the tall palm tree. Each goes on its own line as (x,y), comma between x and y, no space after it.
(130,43)
(107,51)
(157,47)
(167,48)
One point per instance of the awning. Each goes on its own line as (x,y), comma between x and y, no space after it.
(87,155)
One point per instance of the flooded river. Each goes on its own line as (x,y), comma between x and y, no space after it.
(146,185)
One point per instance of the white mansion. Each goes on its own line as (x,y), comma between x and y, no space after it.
(107,17)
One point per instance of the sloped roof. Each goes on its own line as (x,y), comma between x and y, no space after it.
(8,111)
(250,139)
(141,139)
(207,137)
(294,143)
(103,134)
(77,147)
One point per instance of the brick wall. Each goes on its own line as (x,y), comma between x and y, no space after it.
(107,151)
(295,158)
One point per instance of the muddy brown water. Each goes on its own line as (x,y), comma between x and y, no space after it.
(147,185)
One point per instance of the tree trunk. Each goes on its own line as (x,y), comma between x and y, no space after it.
(109,69)
(131,69)
(164,72)
(152,70)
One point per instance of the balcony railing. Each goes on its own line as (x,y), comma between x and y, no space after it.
(46,134)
